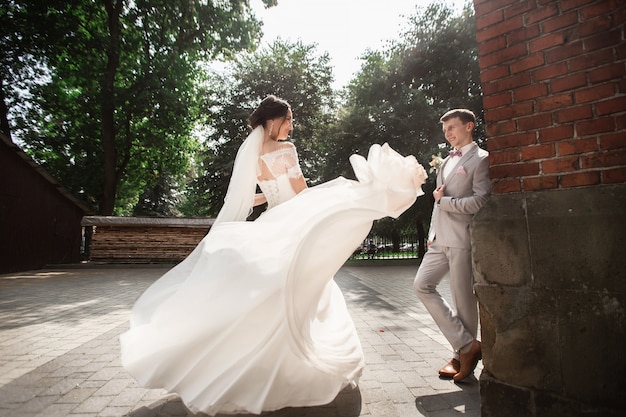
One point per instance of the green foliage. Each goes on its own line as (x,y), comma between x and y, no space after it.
(119,108)
(400,94)
(117,95)
(292,71)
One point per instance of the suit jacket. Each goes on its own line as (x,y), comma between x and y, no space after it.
(466,190)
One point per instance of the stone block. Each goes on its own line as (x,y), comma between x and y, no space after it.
(591,336)
(578,238)
(519,326)
(499,236)
(555,327)
(495,397)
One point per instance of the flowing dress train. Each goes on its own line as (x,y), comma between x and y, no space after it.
(252,319)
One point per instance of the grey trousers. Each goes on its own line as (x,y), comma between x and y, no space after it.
(458,325)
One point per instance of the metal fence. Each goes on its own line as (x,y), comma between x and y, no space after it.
(377,247)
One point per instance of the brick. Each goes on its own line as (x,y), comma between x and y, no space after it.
(515,170)
(613,141)
(550,71)
(614,176)
(536,121)
(546,42)
(530,153)
(577,146)
(483,21)
(573,4)
(597,25)
(620,50)
(615,71)
(542,182)
(603,40)
(496,73)
(492,45)
(594,93)
(509,112)
(482,7)
(522,35)
(497,100)
(620,124)
(567,83)
(518,8)
(593,9)
(554,102)
(502,128)
(506,156)
(591,59)
(499,29)
(611,106)
(557,133)
(573,49)
(604,159)
(507,84)
(560,22)
(506,185)
(524,64)
(530,92)
(559,165)
(541,13)
(579,179)
(511,141)
(619,14)
(591,127)
(573,114)
(504,55)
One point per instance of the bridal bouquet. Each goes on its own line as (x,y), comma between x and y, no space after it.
(435,163)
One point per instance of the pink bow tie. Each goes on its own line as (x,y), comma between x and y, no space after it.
(456,153)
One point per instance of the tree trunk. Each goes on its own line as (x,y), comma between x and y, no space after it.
(4,114)
(109,188)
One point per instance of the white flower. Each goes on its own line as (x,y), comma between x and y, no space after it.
(435,163)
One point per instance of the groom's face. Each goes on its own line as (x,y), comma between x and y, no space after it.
(457,133)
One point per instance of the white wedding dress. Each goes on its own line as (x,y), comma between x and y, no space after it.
(252,319)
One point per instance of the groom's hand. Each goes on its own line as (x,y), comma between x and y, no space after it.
(438,193)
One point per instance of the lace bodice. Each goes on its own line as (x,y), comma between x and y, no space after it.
(275,170)
(283,161)
(277,190)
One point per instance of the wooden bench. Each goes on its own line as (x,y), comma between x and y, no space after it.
(112,239)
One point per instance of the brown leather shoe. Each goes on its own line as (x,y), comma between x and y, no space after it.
(452,368)
(469,360)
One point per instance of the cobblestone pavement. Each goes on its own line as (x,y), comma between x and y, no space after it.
(59,349)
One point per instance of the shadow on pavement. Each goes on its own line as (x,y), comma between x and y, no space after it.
(69,296)
(465,402)
(347,404)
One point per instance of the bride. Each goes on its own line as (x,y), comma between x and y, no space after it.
(252,319)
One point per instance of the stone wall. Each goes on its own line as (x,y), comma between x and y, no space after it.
(549,243)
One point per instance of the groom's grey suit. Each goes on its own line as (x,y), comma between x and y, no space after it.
(467,188)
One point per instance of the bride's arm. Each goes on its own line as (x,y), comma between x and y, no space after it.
(298,184)
(259,198)
(294,172)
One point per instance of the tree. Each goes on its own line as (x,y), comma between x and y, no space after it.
(120,105)
(23,47)
(293,71)
(399,95)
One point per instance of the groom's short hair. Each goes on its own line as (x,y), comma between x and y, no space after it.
(464,114)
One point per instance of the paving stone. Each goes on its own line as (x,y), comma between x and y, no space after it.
(59,348)
(57,410)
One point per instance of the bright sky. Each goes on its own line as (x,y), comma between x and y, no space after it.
(343,28)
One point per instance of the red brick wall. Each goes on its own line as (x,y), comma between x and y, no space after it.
(554,92)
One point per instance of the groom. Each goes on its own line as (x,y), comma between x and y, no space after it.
(463,186)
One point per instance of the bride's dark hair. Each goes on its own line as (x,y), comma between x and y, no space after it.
(270,108)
